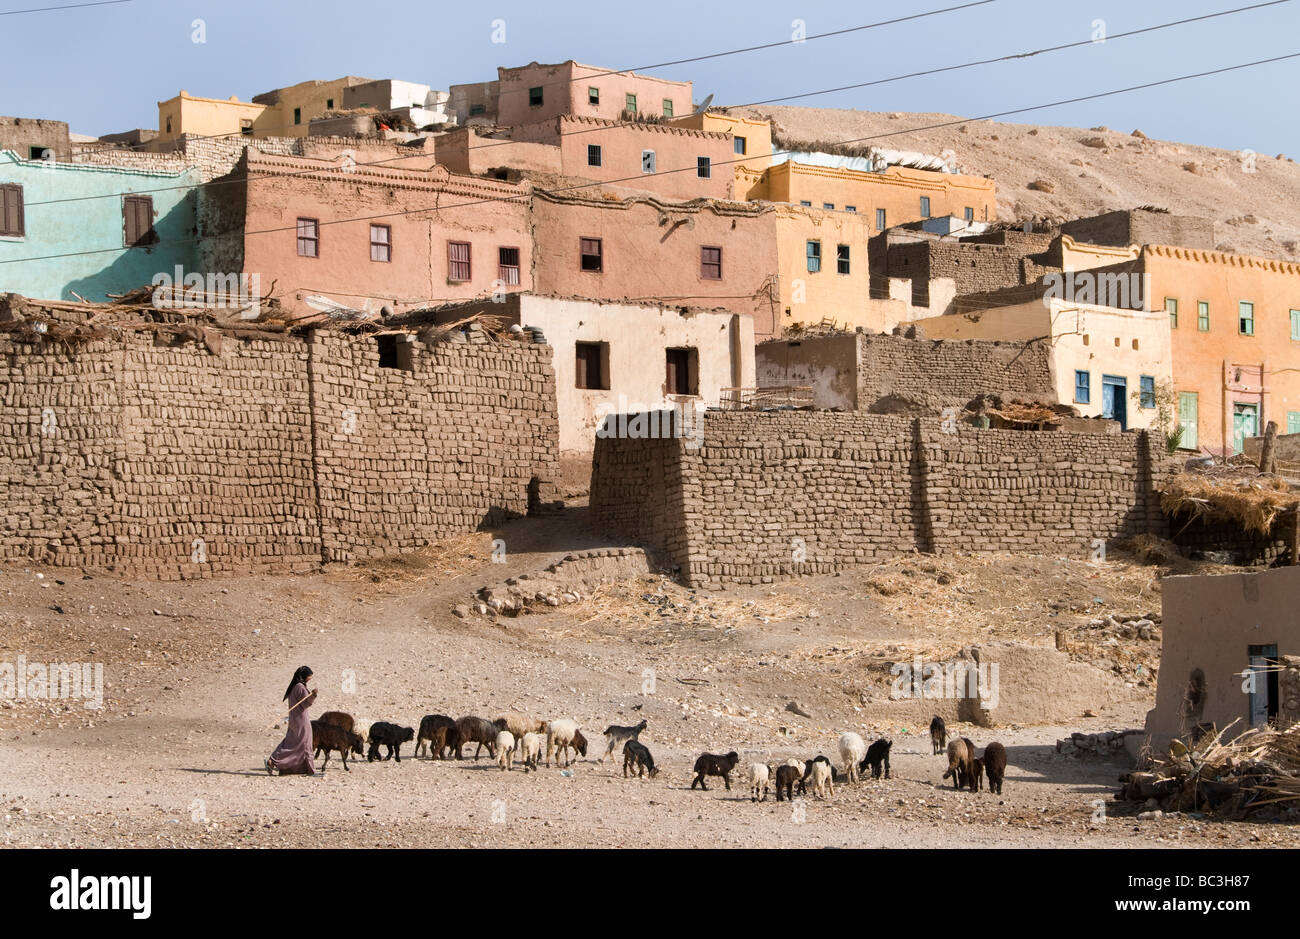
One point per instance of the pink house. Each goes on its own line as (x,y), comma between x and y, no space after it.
(676,162)
(625,247)
(534,92)
(362,235)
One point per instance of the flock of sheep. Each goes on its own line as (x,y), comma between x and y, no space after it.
(513,735)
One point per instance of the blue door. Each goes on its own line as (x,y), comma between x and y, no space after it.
(1114,399)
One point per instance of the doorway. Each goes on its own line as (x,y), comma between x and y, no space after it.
(1263,694)
(1245,423)
(1114,399)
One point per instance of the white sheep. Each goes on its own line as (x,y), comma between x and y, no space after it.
(560,736)
(518,724)
(821,779)
(532,750)
(758,777)
(361,725)
(505,749)
(852,750)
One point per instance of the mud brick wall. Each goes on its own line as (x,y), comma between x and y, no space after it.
(405,458)
(934,374)
(638,487)
(1137,227)
(774,495)
(164,458)
(973,267)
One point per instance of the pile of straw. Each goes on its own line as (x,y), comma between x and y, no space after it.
(1254,502)
(1257,772)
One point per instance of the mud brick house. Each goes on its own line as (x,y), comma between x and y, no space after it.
(184,450)
(535,92)
(355,234)
(624,247)
(673,161)
(769,495)
(887,374)
(1230,651)
(35,139)
(610,358)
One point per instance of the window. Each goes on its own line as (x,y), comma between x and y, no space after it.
(169,125)
(590,363)
(297,115)
(880,219)
(1202,316)
(508,266)
(458,266)
(593,154)
(851,208)
(1293,422)
(925,207)
(1082,387)
(711,263)
(329,104)
(814,257)
(647,161)
(535,97)
(829,205)
(969,214)
(703,168)
(11,211)
(806,203)
(682,369)
(477,109)
(629,103)
(738,144)
(1171,307)
(1147,391)
(842,259)
(1295,325)
(37,153)
(592,259)
(668,107)
(137,221)
(381,243)
(308,238)
(1246,318)
(246,127)
(593,96)
(1188,419)
(395,351)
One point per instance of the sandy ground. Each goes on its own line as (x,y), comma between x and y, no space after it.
(195,672)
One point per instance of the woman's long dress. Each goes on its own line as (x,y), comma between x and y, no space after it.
(294,754)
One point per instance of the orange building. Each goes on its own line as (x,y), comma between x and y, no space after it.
(893,197)
(1235,327)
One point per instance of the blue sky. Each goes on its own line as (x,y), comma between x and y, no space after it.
(104,69)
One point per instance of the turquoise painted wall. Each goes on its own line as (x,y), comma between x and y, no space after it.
(93,226)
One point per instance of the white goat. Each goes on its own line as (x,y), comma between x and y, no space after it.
(505,749)
(532,750)
(852,749)
(560,736)
(759,773)
(821,779)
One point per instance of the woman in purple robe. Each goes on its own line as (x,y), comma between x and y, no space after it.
(294,754)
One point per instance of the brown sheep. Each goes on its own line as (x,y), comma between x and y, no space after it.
(786,777)
(995,764)
(960,755)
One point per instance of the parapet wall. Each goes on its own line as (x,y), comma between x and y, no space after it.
(781,494)
(171,458)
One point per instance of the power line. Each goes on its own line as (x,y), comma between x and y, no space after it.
(525,195)
(808,94)
(70,6)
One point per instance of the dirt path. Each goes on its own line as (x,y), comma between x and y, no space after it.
(195,672)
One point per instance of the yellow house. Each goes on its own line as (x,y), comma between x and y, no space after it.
(1105,361)
(751,139)
(290,110)
(208,117)
(823,275)
(893,197)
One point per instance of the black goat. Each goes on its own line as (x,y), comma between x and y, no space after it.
(710,764)
(329,737)
(636,755)
(391,736)
(877,754)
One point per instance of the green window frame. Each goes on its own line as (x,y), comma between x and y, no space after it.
(925,207)
(629,103)
(814,257)
(1171,307)
(1295,325)
(668,107)
(1293,422)
(1202,316)
(1245,317)
(1147,391)
(842,259)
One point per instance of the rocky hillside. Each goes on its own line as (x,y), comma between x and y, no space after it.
(1067,172)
